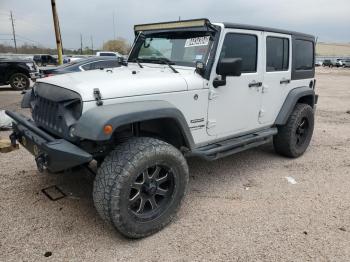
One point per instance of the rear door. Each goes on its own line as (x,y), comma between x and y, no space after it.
(277,75)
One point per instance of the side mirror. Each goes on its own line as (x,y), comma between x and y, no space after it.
(122,61)
(229,67)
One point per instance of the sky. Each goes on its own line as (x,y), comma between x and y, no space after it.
(328,20)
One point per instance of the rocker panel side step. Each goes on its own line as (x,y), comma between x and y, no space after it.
(234,145)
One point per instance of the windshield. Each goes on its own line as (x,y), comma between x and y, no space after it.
(179,48)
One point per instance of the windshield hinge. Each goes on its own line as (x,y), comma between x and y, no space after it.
(213,94)
(98,98)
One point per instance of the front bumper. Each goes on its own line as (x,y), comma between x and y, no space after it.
(34,76)
(54,154)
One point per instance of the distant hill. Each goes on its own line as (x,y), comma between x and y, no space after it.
(332,49)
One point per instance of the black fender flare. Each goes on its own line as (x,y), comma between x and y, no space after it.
(91,123)
(290,102)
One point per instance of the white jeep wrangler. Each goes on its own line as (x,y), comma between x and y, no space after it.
(190,88)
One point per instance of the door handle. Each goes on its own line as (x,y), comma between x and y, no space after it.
(255,84)
(285,81)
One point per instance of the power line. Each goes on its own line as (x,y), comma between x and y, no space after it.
(13,31)
(25,38)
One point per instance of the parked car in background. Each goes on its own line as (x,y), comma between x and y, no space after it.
(329,63)
(71,59)
(339,63)
(319,63)
(107,53)
(17,73)
(43,60)
(82,65)
(346,63)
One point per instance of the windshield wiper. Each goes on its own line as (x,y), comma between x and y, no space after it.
(167,62)
(137,61)
(162,60)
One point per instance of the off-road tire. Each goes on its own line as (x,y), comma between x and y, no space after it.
(113,182)
(286,140)
(19,81)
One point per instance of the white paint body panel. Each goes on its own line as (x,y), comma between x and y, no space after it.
(235,108)
(121,82)
(273,92)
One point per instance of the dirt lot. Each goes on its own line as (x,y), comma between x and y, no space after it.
(241,208)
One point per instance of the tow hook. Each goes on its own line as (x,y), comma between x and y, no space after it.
(41,162)
(13,138)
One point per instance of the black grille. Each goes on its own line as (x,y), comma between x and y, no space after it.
(46,114)
(55,109)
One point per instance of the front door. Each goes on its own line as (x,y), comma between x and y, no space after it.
(234,107)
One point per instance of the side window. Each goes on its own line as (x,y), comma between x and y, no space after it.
(277,54)
(103,64)
(304,55)
(87,67)
(241,46)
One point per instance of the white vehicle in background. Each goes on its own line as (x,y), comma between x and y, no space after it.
(339,62)
(319,63)
(108,53)
(71,59)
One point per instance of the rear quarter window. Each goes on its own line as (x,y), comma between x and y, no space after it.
(304,57)
(303,62)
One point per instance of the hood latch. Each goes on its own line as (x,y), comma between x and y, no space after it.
(98,98)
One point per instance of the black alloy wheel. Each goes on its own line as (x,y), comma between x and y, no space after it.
(151,192)
(301,132)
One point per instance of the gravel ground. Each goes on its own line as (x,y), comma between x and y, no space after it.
(240,208)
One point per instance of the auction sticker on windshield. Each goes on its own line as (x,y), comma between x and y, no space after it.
(198,41)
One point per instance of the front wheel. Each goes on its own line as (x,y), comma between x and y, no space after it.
(140,185)
(294,137)
(19,81)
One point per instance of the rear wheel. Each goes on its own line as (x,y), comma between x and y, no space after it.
(19,81)
(293,138)
(140,185)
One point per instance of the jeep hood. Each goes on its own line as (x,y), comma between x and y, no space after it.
(122,81)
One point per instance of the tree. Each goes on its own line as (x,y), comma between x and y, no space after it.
(119,45)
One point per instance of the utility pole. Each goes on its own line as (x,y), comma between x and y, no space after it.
(57,32)
(113,25)
(13,32)
(92,45)
(81,44)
